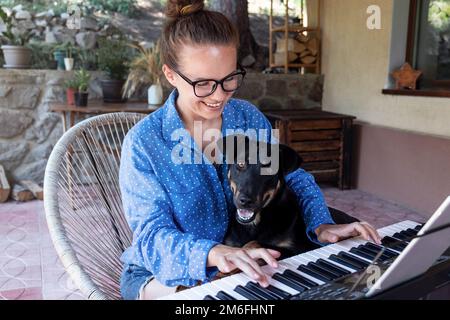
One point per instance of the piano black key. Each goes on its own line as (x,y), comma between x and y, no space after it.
(410,232)
(278,292)
(389,242)
(345,262)
(248,294)
(208,297)
(314,273)
(254,287)
(323,270)
(335,268)
(418,227)
(361,253)
(362,263)
(387,251)
(400,236)
(374,252)
(224,296)
(289,282)
(304,281)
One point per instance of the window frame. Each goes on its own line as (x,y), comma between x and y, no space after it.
(439,88)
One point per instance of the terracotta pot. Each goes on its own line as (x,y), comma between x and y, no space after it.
(70,95)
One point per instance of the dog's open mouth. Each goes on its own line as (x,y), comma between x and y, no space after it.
(245,216)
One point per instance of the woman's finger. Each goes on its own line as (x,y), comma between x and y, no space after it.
(373,232)
(248,269)
(362,231)
(224,265)
(267,255)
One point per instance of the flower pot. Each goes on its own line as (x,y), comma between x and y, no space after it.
(112,90)
(81,99)
(70,95)
(59,57)
(155,94)
(17,57)
(68,63)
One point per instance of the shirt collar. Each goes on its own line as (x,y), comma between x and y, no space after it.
(231,119)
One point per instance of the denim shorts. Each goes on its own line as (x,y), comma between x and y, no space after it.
(133,278)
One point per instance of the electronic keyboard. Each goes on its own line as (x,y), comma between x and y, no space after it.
(309,275)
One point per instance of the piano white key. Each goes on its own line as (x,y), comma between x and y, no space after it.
(197,293)
(293,267)
(206,289)
(224,285)
(234,282)
(325,255)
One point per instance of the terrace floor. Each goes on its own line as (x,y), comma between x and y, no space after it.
(31,270)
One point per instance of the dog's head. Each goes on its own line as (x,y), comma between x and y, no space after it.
(256,173)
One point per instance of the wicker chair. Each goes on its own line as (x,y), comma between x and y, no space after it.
(83,205)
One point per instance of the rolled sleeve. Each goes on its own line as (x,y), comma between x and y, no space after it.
(311,200)
(198,260)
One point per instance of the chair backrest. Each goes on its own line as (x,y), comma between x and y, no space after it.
(83,204)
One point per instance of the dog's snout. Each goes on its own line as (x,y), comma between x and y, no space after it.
(244,200)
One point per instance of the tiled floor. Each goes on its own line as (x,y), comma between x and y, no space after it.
(30,268)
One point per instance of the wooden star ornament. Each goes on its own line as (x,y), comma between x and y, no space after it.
(406,77)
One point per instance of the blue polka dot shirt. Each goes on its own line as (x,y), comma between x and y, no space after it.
(178,212)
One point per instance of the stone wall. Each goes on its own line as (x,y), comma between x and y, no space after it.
(282,91)
(28,131)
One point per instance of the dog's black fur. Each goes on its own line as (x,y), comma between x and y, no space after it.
(277,222)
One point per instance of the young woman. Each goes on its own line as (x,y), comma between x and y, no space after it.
(179,212)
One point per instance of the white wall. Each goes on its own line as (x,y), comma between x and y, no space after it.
(355,61)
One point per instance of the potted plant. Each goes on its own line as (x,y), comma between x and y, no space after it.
(82,78)
(113,57)
(71,86)
(68,61)
(59,53)
(16,54)
(146,71)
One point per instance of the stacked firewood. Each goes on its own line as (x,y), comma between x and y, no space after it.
(301,49)
(23,190)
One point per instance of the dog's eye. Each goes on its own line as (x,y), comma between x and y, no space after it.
(241,165)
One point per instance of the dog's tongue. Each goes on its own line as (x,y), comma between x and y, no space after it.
(245,213)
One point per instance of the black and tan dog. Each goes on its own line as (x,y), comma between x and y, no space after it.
(268,213)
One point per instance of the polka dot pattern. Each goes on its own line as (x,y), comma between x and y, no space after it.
(178,212)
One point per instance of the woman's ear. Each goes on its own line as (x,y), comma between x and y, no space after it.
(169,74)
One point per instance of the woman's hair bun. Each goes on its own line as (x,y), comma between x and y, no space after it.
(179,8)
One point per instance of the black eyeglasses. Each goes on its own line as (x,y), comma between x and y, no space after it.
(206,87)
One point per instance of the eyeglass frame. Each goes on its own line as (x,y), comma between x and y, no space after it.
(240,70)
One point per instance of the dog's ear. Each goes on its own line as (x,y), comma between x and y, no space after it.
(290,159)
(230,146)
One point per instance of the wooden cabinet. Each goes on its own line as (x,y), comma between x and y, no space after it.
(323,140)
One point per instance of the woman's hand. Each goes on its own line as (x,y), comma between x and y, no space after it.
(227,259)
(330,233)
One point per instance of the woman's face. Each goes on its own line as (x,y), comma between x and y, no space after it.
(198,63)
